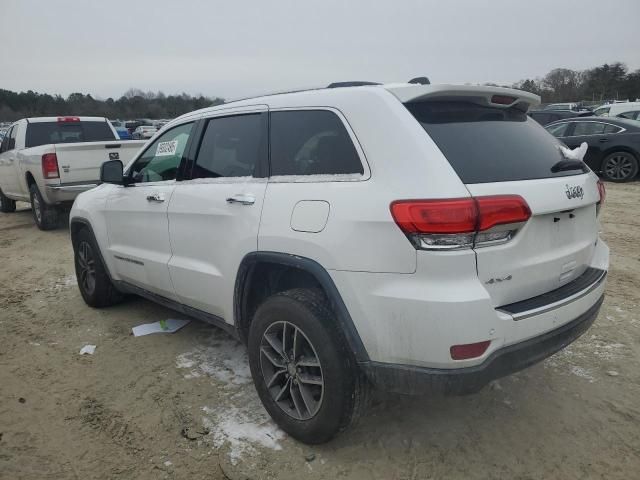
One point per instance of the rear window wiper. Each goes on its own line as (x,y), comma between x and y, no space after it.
(564,165)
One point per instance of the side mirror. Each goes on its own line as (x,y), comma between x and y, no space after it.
(111,172)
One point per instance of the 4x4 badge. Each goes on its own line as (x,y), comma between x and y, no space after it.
(574,192)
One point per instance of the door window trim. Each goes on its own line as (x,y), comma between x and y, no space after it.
(340,177)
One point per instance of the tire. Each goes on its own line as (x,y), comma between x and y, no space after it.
(94,283)
(6,204)
(620,167)
(45,215)
(322,391)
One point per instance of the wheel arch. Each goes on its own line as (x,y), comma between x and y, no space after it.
(261,274)
(78,223)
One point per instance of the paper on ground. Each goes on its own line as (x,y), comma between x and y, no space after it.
(88,349)
(164,326)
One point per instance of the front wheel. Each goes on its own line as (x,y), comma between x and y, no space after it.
(303,370)
(94,283)
(620,167)
(45,215)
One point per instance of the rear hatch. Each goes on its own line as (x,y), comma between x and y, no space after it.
(496,149)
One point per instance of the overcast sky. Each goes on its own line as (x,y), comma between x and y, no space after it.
(239,48)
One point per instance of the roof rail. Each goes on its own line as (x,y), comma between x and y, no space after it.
(420,81)
(356,83)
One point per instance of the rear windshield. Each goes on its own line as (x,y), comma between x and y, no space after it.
(44,133)
(489,144)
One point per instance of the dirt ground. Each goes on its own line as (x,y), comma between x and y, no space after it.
(182,405)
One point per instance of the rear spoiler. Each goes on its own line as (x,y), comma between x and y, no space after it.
(490,96)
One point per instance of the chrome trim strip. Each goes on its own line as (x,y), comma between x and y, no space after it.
(559,303)
(72,188)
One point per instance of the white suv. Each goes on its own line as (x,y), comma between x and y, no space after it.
(416,238)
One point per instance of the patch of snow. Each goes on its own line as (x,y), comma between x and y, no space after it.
(583,373)
(65,282)
(225,360)
(242,429)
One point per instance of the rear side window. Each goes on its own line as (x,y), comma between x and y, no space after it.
(311,142)
(489,144)
(43,133)
(588,128)
(232,147)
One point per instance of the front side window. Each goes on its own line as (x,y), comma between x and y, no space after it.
(602,111)
(232,146)
(311,142)
(161,159)
(588,128)
(558,130)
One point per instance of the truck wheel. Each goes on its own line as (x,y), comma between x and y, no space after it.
(94,283)
(6,204)
(303,370)
(45,215)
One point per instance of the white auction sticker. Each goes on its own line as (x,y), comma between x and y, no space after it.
(167,148)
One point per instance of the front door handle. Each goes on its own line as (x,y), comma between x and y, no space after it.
(242,198)
(155,197)
(603,140)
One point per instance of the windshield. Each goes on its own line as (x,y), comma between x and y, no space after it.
(489,144)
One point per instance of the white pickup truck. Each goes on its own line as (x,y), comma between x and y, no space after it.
(48,161)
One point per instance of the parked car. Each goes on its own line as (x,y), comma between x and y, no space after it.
(121,130)
(544,117)
(615,109)
(48,161)
(144,132)
(562,106)
(461,247)
(614,144)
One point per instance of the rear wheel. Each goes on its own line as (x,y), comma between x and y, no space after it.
(94,283)
(303,370)
(45,215)
(620,167)
(6,204)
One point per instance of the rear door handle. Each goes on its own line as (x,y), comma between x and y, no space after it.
(155,197)
(242,198)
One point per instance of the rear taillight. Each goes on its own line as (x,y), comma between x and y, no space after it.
(461,222)
(50,166)
(469,350)
(603,195)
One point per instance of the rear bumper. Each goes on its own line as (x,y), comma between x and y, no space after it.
(66,192)
(419,380)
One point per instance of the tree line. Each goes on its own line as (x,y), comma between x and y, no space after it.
(611,81)
(133,104)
